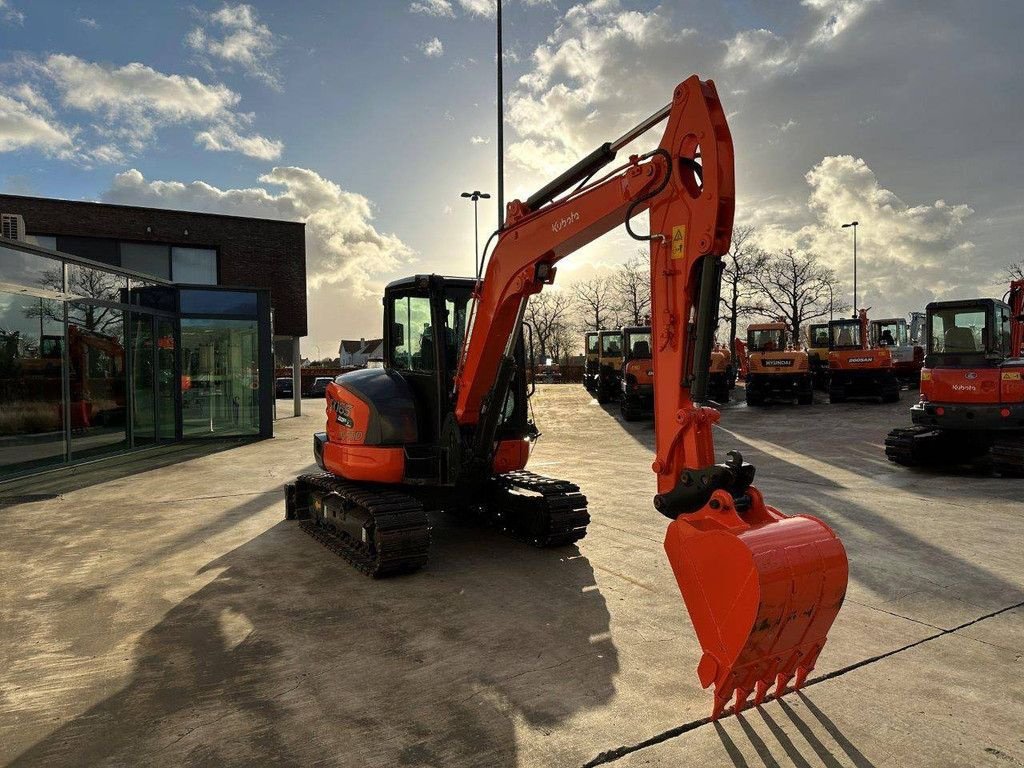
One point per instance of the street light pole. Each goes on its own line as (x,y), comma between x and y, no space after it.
(854,225)
(830,301)
(501,126)
(476,196)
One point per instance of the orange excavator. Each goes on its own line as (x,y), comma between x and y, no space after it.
(444,424)
(855,367)
(971,406)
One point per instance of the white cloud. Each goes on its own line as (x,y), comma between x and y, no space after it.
(342,244)
(10,14)
(433,8)
(480,140)
(907,254)
(136,99)
(26,121)
(835,16)
(85,21)
(432,48)
(224,138)
(485,8)
(237,37)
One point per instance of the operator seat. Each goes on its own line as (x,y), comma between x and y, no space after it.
(959,339)
(845,338)
(641,349)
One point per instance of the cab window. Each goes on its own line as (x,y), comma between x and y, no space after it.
(846,335)
(592,343)
(412,335)
(611,345)
(639,345)
(957,331)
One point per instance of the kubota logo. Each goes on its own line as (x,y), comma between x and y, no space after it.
(964,388)
(565,221)
(970,375)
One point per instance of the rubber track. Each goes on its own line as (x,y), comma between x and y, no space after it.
(556,516)
(401,526)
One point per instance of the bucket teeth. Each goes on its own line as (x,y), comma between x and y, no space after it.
(760,691)
(740,702)
(721,699)
(801,676)
(781,681)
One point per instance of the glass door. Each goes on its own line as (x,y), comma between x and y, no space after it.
(144,412)
(168,383)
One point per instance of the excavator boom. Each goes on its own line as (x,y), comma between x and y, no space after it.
(762,588)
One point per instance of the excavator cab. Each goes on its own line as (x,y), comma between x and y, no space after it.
(637,397)
(857,368)
(591,365)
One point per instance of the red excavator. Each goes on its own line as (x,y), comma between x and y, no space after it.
(444,424)
(971,406)
(855,368)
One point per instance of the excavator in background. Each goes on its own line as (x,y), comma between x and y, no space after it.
(907,357)
(971,407)
(590,362)
(741,358)
(609,365)
(444,426)
(637,397)
(917,328)
(855,368)
(775,369)
(817,354)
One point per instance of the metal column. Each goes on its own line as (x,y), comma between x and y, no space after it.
(297,375)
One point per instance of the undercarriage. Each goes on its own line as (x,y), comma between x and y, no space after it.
(926,446)
(384,531)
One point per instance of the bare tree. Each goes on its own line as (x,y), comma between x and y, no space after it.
(740,293)
(547,312)
(563,341)
(596,301)
(89,284)
(797,287)
(631,283)
(1015,271)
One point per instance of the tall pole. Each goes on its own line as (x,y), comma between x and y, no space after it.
(854,225)
(501,128)
(476,195)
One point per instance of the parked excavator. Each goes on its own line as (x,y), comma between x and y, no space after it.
(637,397)
(971,407)
(817,354)
(444,424)
(609,365)
(855,368)
(907,357)
(590,363)
(776,370)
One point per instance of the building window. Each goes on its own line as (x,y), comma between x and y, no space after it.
(43,241)
(31,382)
(194,265)
(98,380)
(92,248)
(205,302)
(148,258)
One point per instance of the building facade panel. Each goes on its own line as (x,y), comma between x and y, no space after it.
(258,253)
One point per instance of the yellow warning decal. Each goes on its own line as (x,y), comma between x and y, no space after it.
(1011,375)
(678,242)
(926,375)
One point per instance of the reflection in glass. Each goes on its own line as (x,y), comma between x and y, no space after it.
(31,379)
(96,368)
(206,302)
(143,380)
(220,377)
(30,270)
(96,284)
(166,379)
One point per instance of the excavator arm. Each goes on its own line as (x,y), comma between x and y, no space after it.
(762,588)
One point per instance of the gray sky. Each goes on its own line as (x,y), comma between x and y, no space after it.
(367,119)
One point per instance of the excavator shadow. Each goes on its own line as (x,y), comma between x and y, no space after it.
(760,737)
(289,657)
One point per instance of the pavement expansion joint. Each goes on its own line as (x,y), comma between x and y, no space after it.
(616,753)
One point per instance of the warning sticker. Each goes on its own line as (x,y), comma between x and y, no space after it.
(1011,376)
(678,242)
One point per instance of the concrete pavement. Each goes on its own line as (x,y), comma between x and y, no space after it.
(173,618)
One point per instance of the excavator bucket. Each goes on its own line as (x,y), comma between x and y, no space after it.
(762,590)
